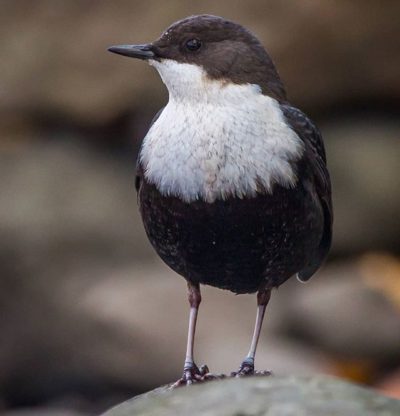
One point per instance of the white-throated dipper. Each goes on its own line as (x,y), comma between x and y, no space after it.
(232,181)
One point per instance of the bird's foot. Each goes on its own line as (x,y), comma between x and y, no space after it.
(192,374)
(247,369)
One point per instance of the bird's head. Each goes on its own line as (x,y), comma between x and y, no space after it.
(199,49)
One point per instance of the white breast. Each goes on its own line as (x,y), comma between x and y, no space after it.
(216,139)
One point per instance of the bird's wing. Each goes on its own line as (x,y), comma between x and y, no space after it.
(316,158)
(138,167)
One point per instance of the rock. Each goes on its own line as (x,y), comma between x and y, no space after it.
(269,396)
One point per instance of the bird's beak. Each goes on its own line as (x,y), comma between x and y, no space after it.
(134,51)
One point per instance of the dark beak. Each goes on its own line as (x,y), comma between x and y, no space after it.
(134,51)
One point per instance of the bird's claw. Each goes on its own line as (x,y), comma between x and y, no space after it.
(247,369)
(192,374)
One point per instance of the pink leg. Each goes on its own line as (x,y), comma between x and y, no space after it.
(194,296)
(191,373)
(247,366)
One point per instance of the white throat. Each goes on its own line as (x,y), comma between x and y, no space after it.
(217,139)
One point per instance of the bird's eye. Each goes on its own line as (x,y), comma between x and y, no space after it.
(193,45)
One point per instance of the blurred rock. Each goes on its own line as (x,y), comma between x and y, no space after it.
(54,57)
(343,315)
(381,272)
(64,211)
(263,396)
(364,161)
(50,352)
(62,205)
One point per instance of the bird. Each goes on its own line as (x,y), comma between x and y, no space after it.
(232,180)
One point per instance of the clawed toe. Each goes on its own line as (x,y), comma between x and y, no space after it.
(243,371)
(247,369)
(192,374)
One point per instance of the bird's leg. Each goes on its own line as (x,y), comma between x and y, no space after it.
(190,368)
(191,373)
(247,366)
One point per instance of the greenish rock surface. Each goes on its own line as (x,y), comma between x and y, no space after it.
(262,396)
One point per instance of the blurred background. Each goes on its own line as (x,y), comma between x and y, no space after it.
(89,315)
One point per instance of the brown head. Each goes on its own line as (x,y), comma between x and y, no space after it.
(223,49)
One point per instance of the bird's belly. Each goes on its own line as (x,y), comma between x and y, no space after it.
(235,244)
